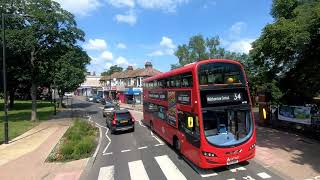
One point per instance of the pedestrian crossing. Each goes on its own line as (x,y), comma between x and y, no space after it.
(138,171)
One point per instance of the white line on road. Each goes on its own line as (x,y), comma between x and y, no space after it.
(137,171)
(106,148)
(169,169)
(106,173)
(144,147)
(264,175)
(127,150)
(158,144)
(155,136)
(141,124)
(237,169)
(109,153)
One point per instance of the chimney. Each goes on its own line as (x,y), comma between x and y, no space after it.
(148,65)
(130,68)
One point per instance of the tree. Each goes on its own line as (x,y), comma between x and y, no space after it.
(43,25)
(70,68)
(112,70)
(288,50)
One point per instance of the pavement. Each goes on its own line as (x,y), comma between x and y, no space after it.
(24,157)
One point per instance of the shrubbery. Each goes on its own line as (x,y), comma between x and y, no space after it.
(78,142)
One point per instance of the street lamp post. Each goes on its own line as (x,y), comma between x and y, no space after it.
(6,133)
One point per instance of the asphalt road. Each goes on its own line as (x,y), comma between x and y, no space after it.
(142,155)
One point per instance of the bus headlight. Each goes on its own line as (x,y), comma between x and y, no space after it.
(208,154)
(252,146)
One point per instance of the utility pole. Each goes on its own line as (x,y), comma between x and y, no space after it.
(6,130)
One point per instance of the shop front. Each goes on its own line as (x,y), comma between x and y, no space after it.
(133,94)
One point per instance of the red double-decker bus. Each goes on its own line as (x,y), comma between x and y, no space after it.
(204,110)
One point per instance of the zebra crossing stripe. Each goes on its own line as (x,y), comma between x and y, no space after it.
(169,169)
(137,170)
(106,173)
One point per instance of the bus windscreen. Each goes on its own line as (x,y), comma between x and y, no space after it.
(220,73)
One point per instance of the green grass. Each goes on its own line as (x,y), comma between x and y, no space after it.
(78,142)
(19,117)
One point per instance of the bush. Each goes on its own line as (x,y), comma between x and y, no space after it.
(78,142)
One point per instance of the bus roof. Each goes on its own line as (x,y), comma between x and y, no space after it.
(188,68)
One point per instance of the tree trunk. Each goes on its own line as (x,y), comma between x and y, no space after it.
(11,103)
(34,101)
(33,89)
(60,101)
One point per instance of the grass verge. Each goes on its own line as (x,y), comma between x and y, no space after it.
(19,117)
(78,142)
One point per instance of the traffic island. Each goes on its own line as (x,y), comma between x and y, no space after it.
(78,142)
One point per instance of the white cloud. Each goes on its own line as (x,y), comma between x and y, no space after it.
(166,5)
(167,47)
(96,44)
(236,29)
(122,3)
(121,46)
(156,53)
(107,55)
(121,61)
(129,18)
(241,46)
(80,7)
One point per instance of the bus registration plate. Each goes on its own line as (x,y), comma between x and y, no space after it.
(124,121)
(232,160)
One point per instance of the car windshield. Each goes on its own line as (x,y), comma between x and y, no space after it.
(123,116)
(227,127)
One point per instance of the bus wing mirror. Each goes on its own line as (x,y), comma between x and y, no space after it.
(190,122)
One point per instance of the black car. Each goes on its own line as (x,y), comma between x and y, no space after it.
(120,120)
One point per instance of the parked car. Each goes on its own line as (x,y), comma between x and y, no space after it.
(90,99)
(120,120)
(108,109)
(98,99)
(68,94)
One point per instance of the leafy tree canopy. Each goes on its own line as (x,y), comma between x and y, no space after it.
(112,70)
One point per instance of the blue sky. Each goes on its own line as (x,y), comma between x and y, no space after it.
(131,32)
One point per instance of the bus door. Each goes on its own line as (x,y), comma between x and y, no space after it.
(189,125)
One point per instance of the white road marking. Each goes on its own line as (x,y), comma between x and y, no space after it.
(155,136)
(234,170)
(137,171)
(106,173)
(144,147)
(127,150)
(106,148)
(248,178)
(264,175)
(158,144)
(169,169)
(109,153)
(208,175)
(141,124)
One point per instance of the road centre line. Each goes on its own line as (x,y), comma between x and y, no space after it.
(109,153)
(144,147)
(158,144)
(127,150)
